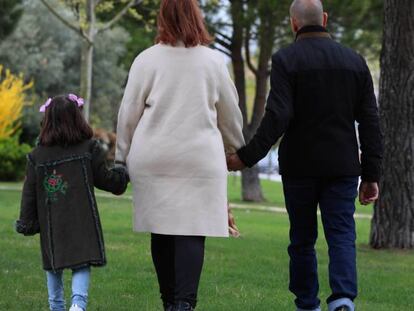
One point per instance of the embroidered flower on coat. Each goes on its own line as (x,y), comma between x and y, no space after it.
(54,184)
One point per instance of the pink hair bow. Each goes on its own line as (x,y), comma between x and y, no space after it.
(78,100)
(45,105)
(72,97)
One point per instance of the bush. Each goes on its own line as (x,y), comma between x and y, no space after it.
(12,100)
(13,159)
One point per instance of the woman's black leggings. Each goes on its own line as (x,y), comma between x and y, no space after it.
(178,261)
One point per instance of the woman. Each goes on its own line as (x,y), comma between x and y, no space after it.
(178,117)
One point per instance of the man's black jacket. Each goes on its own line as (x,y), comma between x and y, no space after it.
(319,90)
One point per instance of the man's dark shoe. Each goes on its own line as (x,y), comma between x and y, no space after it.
(183,306)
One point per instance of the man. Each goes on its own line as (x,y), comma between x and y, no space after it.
(319,89)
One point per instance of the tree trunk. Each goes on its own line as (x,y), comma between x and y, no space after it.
(86,76)
(251,188)
(86,69)
(266,44)
(237,57)
(393,222)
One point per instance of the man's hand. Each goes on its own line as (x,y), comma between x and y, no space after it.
(234,163)
(368,192)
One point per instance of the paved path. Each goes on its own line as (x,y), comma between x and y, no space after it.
(256,207)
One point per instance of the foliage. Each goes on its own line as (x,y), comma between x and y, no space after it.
(12,100)
(106,8)
(109,77)
(11,11)
(357,24)
(13,159)
(46,51)
(141,26)
(140,39)
(31,120)
(88,27)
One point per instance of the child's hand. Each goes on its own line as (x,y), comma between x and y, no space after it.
(27,227)
(233,230)
(120,178)
(121,167)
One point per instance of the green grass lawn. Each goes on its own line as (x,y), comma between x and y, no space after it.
(250,273)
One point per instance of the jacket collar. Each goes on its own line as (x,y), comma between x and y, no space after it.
(313,31)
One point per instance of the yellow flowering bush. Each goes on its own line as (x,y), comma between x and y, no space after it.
(12,100)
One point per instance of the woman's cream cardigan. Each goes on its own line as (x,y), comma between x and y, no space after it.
(178,117)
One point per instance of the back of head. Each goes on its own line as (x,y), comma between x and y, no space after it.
(307,12)
(64,124)
(182,20)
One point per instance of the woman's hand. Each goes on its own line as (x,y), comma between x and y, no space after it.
(233,230)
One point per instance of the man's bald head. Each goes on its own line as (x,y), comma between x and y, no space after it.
(307,12)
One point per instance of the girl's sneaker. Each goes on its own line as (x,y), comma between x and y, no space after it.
(76,308)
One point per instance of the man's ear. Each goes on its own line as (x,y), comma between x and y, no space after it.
(325,19)
(294,25)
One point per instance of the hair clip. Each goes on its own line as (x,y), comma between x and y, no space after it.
(45,105)
(78,100)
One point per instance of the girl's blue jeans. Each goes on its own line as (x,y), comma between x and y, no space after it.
(80,285)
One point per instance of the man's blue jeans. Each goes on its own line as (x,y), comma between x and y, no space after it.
(336,200)
(80,285)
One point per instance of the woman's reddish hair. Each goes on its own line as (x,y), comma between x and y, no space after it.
(182,20)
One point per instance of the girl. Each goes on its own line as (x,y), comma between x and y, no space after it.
(58,198)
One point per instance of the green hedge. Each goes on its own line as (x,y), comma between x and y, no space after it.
(12,159)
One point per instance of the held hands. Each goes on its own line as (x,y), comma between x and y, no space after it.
(234,163)
(368,192)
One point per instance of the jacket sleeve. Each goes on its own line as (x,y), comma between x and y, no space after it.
(28,222)
(229,117)
(279,112)
(370,135)
(131,110)
(113,180)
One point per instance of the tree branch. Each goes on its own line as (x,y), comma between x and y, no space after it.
(119,15)
(248,56)
(223,43)
(67,23)
(222,51)
(222,35)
